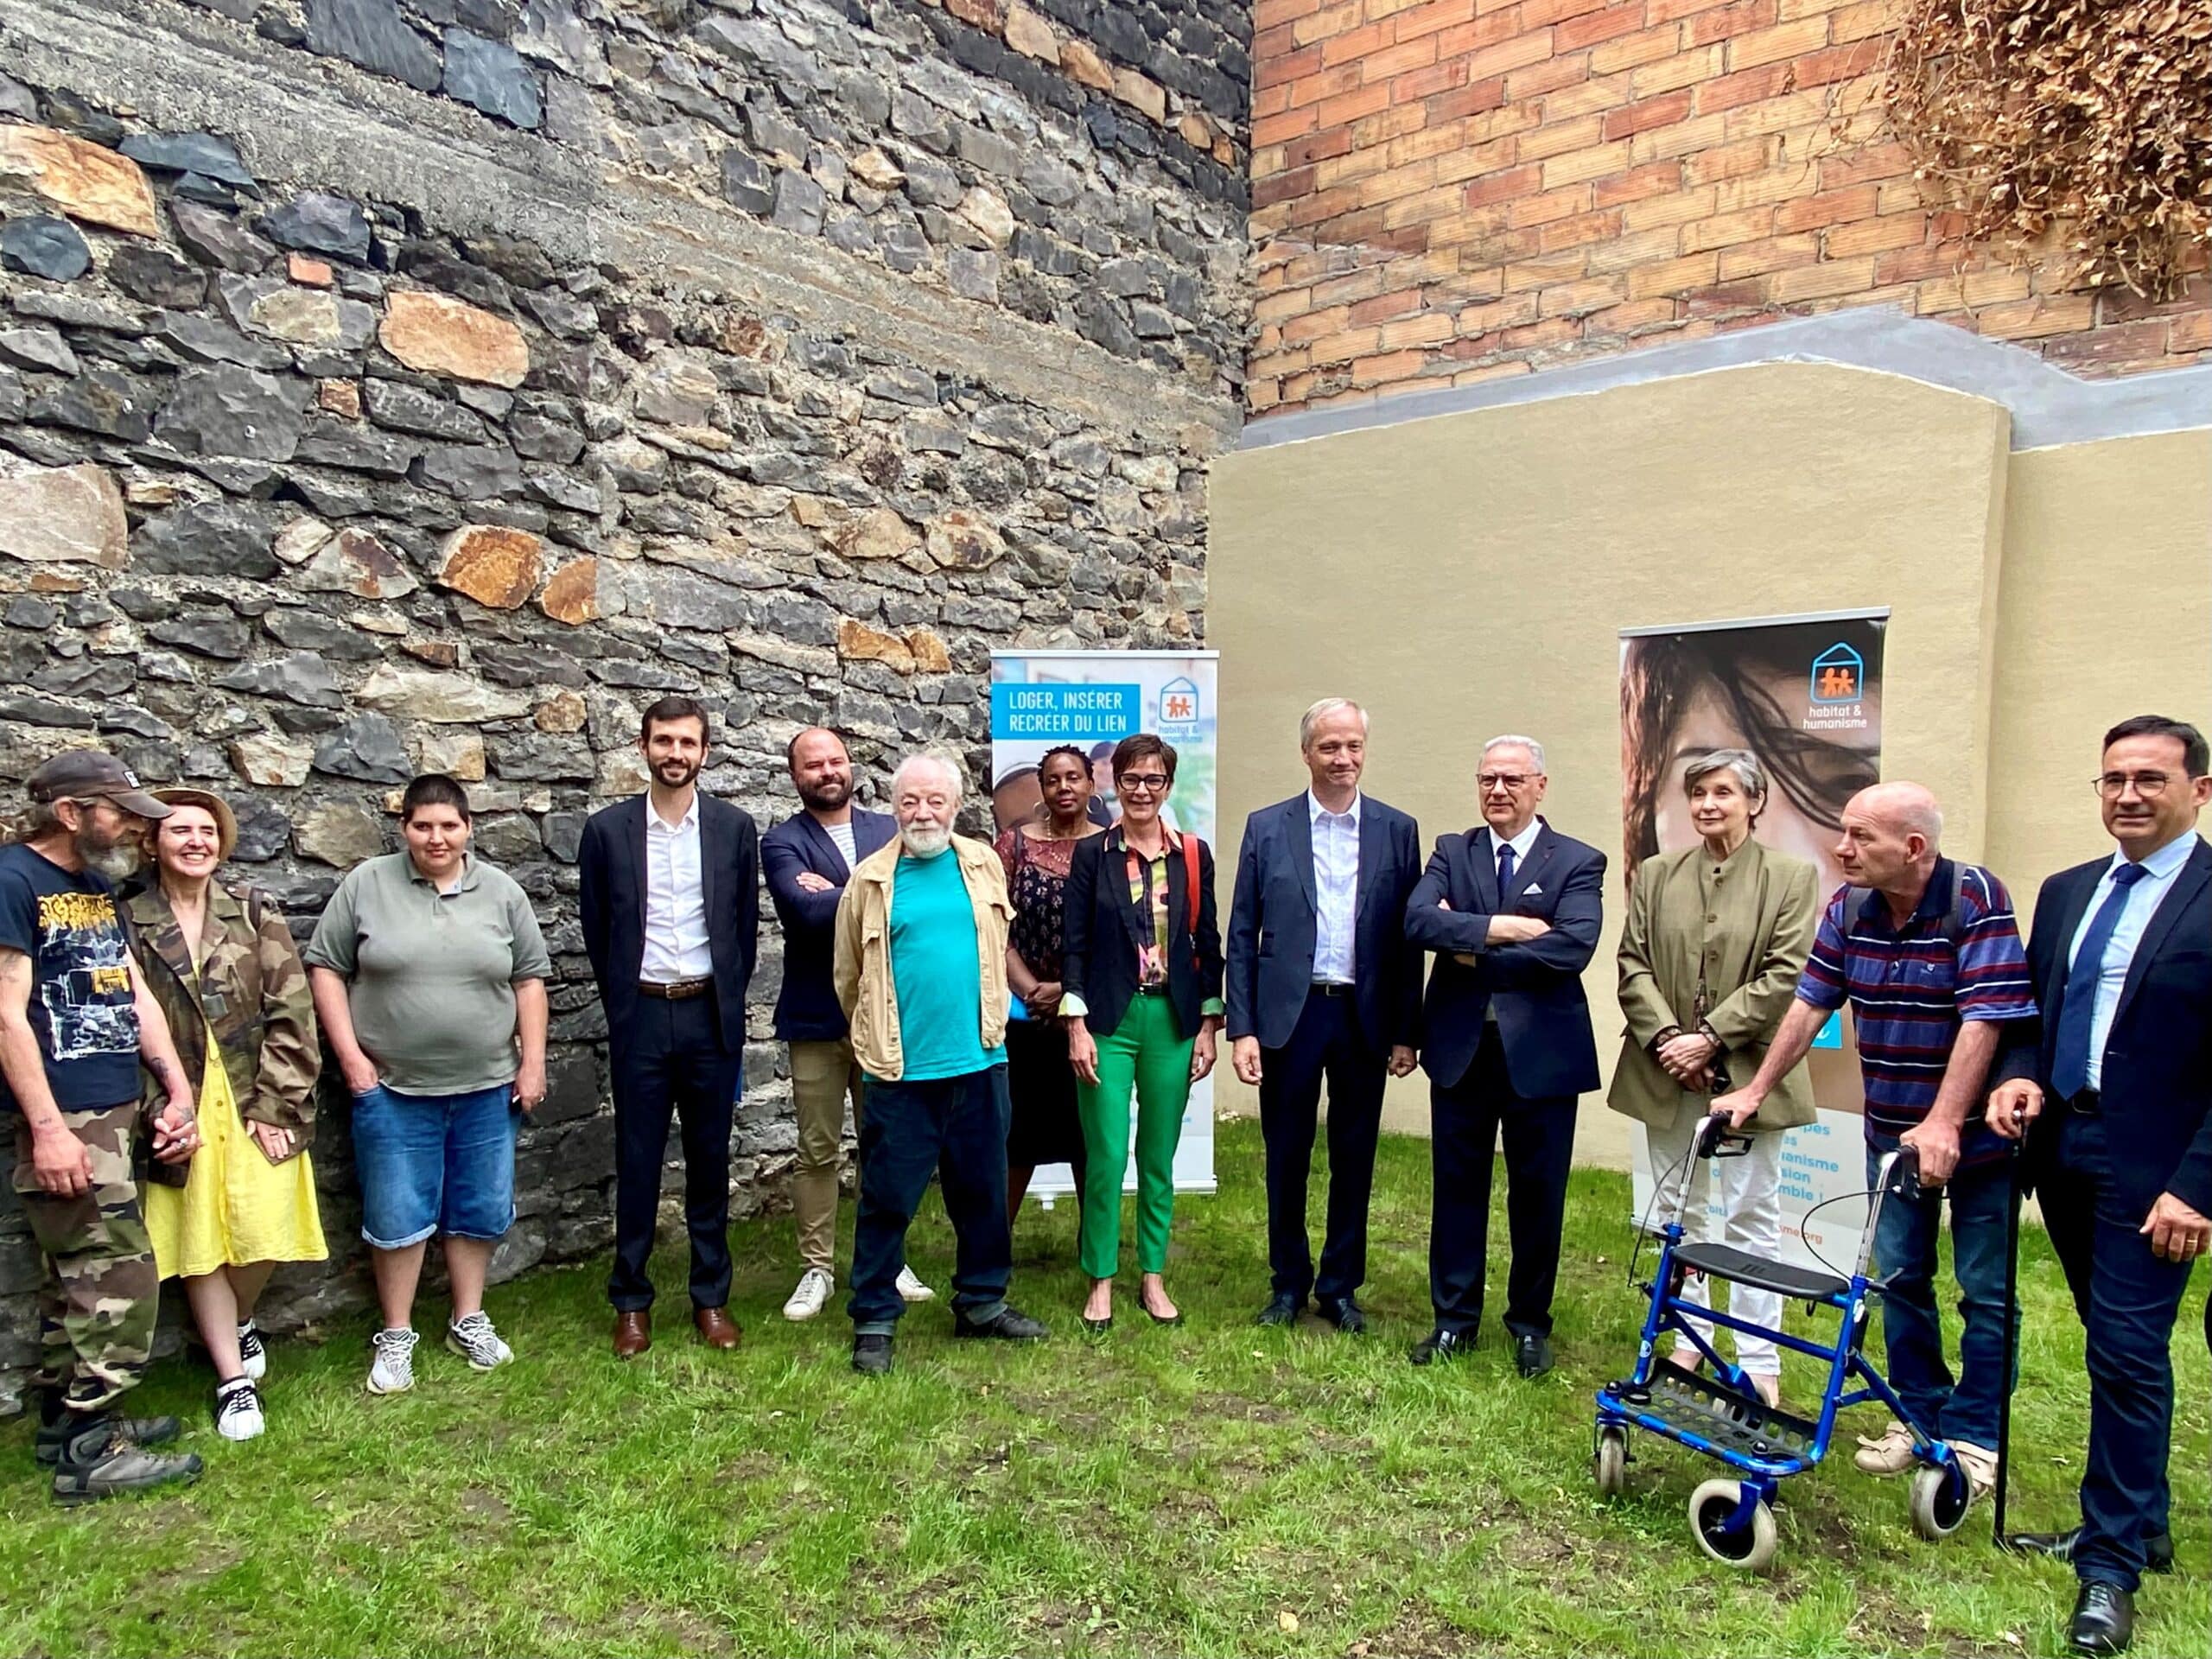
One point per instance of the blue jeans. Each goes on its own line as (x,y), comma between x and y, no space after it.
(1904,1253)
(956,1127)
(435,1163)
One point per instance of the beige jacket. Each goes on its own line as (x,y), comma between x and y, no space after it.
(1748,924)
(863,970)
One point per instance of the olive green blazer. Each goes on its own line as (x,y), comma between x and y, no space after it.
(1763,907)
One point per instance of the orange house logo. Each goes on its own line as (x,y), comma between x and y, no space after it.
(1179,703)
(1838,674)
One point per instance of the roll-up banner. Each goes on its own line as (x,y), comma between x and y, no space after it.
(1804,695)
(1095,698)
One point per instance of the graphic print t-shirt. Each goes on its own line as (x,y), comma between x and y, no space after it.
(66,923)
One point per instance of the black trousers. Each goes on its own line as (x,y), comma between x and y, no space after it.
(1326,1044)
(1465,1121)
(670,1061)
(955,1129)
(2128,1299)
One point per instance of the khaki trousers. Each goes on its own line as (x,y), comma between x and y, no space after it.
(823,1074)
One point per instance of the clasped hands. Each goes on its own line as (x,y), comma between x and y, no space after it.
(2177,1230)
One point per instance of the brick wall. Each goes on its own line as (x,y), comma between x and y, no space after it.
(1446,191)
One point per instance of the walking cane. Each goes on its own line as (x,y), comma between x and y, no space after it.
(1997,1535)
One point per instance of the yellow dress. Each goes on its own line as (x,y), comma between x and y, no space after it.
(235,1207)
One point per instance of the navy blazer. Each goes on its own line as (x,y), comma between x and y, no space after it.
(806,1007)
(611,862)
(1542,1015)
(1098,961)
(2156,1083)
(1272,921)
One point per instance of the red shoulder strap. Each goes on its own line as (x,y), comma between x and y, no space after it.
(1191,885)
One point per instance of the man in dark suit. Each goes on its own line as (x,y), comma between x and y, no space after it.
(1512,910)
(2113,1089)
(808,858)
(1322,984)
(671,903)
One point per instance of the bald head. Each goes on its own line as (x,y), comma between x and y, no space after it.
(1910,809)
(1891,833)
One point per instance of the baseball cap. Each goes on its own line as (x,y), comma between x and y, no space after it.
(79,774)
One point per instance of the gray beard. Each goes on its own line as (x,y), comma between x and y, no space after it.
(923,840)
(116,863)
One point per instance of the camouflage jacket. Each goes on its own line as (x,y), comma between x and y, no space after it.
(252,992)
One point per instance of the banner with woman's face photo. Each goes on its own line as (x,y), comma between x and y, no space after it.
(1804,695)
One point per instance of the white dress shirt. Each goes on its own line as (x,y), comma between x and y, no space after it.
(1336,888)
(842,833)
(675,901)
(1520,844)
(2143,901)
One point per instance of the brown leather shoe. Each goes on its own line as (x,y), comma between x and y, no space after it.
(633,1332)
(716,1328)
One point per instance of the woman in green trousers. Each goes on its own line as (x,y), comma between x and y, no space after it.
(1141,1001)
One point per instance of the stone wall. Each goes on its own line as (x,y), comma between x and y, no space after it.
(430,384)
(1451,191)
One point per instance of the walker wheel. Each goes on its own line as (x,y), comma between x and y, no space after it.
(1750,1545)
(1940,1495)
(1609,1465)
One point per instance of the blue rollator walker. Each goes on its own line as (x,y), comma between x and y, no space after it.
(1721,1415)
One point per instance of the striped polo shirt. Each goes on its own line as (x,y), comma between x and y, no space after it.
(1910,988)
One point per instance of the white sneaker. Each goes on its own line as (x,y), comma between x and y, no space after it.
(475,1341)
(237,1410)
(911,1289)
(392,1369)
(253,1354)
(1889,1455)
(1981,1465)
(811,1296)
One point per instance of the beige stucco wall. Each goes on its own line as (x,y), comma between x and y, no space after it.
(1468,575)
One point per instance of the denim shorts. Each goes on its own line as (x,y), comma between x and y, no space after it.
(435,1163)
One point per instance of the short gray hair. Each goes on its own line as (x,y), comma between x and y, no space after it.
(1749,773)
(1320,711)
(1514,740)
(937,758)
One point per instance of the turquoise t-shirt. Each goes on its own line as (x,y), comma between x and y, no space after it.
(934,971)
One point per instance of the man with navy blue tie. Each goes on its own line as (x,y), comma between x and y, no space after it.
(807,859)
(1322,986)
(1512,909)
(2113,1091)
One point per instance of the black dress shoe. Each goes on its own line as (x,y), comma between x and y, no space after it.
(872,1355)
(2104,1620)
(2158,1548)
(1441,1345)
(1282,1309)
(1532,1353)
(1011,1325)
(1346,1315)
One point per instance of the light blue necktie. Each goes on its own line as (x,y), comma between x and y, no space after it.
(2077,1006)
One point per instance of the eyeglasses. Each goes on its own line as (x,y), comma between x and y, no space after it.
(1150,783)
(1514,781)
(2148,784)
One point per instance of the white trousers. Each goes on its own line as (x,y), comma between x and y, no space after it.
(1750,1202)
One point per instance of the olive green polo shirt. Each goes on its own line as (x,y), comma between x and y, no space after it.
(431,976)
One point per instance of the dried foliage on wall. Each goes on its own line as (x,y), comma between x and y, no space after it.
(2090,117)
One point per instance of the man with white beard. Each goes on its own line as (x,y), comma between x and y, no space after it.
(76,1023)
(920,971)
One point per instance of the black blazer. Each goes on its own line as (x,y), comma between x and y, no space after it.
(806,1007)
(1272,923)
(2156,1085)
(1099,960)
(612,901)
(1542,1015)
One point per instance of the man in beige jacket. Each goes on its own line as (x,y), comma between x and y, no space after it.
(920,971)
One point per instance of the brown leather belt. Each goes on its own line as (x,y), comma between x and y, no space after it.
(680,990)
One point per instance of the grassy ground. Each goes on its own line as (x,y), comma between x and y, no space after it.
(1215,1488)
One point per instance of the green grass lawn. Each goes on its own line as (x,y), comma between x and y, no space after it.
(1214,1489)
